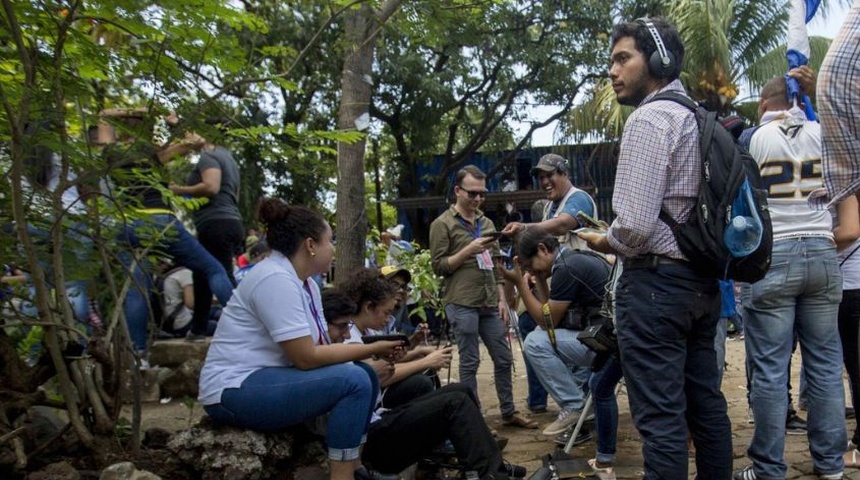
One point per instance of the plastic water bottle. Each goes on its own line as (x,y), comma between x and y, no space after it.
(742,236)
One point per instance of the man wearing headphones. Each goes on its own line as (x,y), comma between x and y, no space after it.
(666,314)
(565,201)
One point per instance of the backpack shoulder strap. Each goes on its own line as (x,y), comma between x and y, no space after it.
(676,97)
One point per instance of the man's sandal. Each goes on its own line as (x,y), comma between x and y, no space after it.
(852,458)
(517,419)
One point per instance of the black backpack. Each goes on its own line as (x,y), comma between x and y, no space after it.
(725,167)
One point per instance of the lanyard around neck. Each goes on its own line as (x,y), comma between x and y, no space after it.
(320,323)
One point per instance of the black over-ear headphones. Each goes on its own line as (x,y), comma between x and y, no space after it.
(661,63)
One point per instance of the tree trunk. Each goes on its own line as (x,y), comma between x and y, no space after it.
(361,27)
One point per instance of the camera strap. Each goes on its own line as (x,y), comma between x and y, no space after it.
(550,329)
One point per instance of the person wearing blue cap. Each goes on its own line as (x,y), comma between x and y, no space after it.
(799,296)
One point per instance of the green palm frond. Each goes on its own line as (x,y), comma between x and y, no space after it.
(748,111)
(758,27)
(702,25)
(599,117)
(773,63)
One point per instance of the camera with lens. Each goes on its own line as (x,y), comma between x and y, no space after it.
(599,338)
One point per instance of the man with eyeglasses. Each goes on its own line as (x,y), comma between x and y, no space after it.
(462,253)
(400,278)
(565,201)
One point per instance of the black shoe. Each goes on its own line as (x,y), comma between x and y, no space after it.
(795,425)
(584,436)
(514,471)
(849,413)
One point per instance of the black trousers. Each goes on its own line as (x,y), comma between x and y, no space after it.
(407,433)
(223,239)
(849,328)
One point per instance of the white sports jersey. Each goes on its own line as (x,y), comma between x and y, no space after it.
(787,148)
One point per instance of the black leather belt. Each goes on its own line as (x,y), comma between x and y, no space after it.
(651,261)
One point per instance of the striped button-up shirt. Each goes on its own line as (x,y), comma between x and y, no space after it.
(659,167)
(839,109)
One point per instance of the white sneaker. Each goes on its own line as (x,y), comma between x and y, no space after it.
(566,418)
(830,476)
(606,473)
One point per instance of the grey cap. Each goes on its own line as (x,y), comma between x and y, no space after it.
(550,163)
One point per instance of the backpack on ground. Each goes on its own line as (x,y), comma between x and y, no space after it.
(730,178)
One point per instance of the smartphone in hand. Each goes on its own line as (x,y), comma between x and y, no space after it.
(493,235)
(587,221)
(384,338)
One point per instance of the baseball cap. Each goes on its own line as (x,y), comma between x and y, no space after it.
(550,163)
(390,271)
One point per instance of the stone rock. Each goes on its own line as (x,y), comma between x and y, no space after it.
(175,352)
(126,471)
(227,453)
(56,471)
(118,471)
(184,382)
(150,390)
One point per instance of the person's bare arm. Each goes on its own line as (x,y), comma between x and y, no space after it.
(191,143)
(188,295)
(209,185)
(434,361)
(534,303)
(848,231)
(305,355)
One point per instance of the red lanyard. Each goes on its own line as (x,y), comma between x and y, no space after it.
(321,328)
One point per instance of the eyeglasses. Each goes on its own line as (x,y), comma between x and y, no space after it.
(475,193)
(403,287)
(343,327)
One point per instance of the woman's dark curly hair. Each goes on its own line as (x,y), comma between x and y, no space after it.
(288,226)
(367,285)
(337,304)
(529,240)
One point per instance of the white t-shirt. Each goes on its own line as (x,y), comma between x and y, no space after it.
(851,266)
(271,305)
(355,337)
(174,285)
(787,148)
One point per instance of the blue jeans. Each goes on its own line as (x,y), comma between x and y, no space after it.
(666,319)
(470,324)
(563,373)
(800,294)
(602,384)
(185,251)
(275,398)
(80,248)
(537,395)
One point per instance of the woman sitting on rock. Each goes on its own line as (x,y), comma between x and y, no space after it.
(271,363)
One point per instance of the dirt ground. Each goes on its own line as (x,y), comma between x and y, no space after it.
(526,447)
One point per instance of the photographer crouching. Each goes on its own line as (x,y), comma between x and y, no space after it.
(562,361)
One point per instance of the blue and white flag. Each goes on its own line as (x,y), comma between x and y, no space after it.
(800,14)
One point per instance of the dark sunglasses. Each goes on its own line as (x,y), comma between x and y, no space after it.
(475,193)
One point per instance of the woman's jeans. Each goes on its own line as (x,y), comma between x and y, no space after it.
(174,241)
(275,398)
(602,385)
(80,247)
(800,296)
(849,325)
